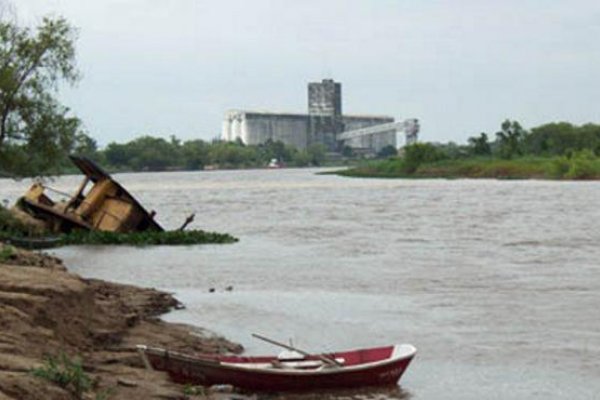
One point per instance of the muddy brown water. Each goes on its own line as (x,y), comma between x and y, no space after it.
(497,283)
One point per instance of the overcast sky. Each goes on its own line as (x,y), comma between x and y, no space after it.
(174,67)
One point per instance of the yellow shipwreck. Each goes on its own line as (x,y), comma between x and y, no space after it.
(100,203)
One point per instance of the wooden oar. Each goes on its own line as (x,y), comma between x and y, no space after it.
(321,357)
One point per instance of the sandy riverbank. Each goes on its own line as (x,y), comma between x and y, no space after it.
(45,310)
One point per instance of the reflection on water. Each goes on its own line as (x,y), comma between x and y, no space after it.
(392,393)
(376,393)
(497,283)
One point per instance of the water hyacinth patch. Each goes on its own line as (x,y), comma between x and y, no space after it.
(146,238)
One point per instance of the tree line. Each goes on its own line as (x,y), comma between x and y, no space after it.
(552,139)
(148,153)
(558,150)
(514,141)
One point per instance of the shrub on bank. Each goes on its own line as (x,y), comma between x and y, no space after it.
(486,168)
(390,168)
(66,373)
(420,153)
(10,224)
(6,252)
(576,166)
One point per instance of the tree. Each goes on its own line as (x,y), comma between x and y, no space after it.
(479,145)
(511,139)
(232,154)
(118,155)
(387,151)
(588,137)
(32,121)
(152,153)
(348,151)
(195,154)
(452,150)
(301,159)
(316,153)
(419,153)
(85,146)
(552,139)
(275,150)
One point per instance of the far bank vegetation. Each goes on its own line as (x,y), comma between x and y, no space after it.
(551,151)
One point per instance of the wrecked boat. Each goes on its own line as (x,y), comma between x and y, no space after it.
(99,204)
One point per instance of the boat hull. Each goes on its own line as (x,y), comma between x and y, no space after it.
(208,372)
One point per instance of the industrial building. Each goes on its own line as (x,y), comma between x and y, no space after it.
(323,124)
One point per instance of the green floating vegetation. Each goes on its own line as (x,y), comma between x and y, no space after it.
(15,232)
(146,238)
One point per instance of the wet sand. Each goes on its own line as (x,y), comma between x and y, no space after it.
(47,311)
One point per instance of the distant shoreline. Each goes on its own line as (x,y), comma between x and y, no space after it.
(74,171)
(545,168)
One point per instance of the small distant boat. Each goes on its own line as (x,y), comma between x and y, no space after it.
(290,371)
(274,163)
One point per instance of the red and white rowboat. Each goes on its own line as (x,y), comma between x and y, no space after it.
(356,368)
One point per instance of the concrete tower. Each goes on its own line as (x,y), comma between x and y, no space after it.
(325,112)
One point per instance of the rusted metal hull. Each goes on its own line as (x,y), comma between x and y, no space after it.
(100,203)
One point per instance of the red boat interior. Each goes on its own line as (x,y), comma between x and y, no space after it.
(348,358)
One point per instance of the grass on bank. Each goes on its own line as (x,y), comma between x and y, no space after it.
(65,372)
(9,224)
(6,252)
(578,166)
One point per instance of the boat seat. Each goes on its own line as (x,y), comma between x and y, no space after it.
(302,364)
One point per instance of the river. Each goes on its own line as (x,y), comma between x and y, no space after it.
(497,283)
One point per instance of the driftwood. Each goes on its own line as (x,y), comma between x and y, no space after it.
(188,221)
